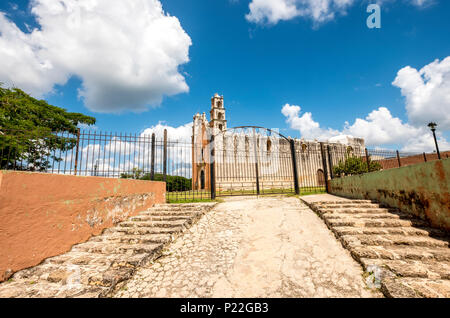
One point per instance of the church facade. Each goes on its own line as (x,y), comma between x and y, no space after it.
(237,152)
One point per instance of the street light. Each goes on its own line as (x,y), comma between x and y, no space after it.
(433,129)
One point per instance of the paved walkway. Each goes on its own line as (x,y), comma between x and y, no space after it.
(253,247)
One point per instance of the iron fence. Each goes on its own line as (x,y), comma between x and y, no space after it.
(238,164)
(100,154)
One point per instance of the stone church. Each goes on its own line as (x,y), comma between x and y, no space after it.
(236,151)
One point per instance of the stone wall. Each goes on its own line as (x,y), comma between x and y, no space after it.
(421,189)
(43,215)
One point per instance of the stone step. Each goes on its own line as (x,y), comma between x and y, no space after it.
(158,218)
(364,222)
(357,210)
(77,258)
(349,230)
(111,277)
(179,210)
(117,248)
(412,268)
(356,216)
(145,230)
(170,213)
(166,224)
(87,259)
(400,253)
(46,289)
(34,274)
(389,240)
(146,238)
(19,288)
(346,205)
(416,287)
(343,201)
(122,237)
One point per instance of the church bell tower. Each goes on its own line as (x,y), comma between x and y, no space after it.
(217,114)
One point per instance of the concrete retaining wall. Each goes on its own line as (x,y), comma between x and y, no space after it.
(43,215)
(421,189)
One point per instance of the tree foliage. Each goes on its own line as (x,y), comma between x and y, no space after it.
(31,130)
(173,183)
(354,165)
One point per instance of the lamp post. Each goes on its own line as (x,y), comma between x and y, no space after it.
(433,129)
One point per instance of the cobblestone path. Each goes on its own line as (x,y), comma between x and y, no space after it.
(252,247)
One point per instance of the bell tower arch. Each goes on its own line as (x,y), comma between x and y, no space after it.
(217,114)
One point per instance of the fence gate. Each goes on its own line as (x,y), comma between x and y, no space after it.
(251,160)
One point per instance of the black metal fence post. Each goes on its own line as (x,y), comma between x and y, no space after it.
(424,157)
(152,168)
(398,159)
(256,162)
(330,161)
(165,156)
(367,160)
(324,164)
(212,172)
(77,150)
(294,166)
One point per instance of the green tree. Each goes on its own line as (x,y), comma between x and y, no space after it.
(32,131)
(173,183)
(135,174)
(354,165)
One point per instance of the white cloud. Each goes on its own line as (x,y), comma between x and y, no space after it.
(319,11)
(127,53)
(308,128)
(118,154)
(272,11)
(379,128)
(183,132)
(427,93)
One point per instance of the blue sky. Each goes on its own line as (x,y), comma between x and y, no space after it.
(335,68)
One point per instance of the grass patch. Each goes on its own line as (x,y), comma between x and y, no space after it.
(188,200)
(313,192)
(205,196)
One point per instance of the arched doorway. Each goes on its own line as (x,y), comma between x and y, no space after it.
(202,180)
(320,177)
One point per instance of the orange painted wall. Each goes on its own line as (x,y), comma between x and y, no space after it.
(43,215)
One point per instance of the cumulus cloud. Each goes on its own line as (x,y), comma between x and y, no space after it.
(319,11)
(308,128)
(183,132)
(427,95)
(427,92)
(272,11)
(378,128)
(127,53)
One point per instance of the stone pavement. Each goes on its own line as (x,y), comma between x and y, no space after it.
(94,268)
(405,256)
(252,247)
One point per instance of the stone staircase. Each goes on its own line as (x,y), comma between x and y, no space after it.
(403,254)
(94,268)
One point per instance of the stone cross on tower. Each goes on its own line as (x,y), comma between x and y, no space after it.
(217,113)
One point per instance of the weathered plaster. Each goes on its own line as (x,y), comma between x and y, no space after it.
(54,212)
(421,189)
